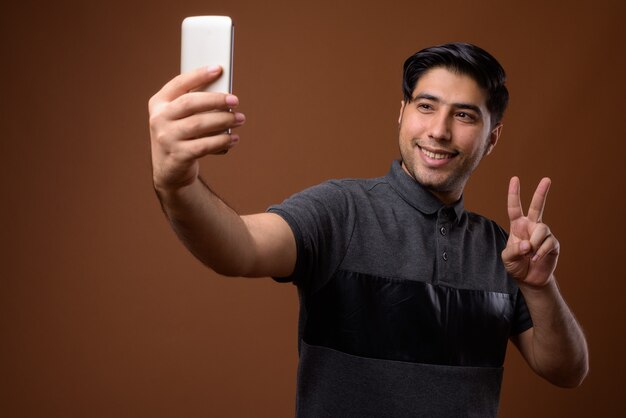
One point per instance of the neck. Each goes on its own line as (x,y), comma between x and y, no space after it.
(445,197)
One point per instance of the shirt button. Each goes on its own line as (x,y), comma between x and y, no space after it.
(444,256)
(443,230)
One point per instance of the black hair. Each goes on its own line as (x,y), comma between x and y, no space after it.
(466,59)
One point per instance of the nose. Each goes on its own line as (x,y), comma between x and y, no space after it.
(439,127)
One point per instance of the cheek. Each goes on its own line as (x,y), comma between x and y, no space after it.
(473,141)
(410,127)
(405,137)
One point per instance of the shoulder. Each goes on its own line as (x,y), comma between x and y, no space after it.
(358,184)
(347,188)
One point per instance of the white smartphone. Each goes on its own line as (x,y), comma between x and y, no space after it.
(207,41)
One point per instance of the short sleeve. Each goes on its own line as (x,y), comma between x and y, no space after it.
(322,220)
(522,320)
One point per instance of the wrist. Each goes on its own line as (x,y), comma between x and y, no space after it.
(173,188)
(179,197)
(547,286)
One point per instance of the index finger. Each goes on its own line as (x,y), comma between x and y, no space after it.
(535,212)
(186,82)
(514,203)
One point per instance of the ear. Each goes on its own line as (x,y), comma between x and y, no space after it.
(401,111)
(494,135)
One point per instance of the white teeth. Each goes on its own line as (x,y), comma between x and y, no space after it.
(435,155)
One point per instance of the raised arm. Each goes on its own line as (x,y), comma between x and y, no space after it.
(186,125)
(555,348)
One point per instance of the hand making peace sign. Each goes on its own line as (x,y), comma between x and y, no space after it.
(532,251)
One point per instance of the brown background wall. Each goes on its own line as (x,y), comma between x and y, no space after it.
(104,314)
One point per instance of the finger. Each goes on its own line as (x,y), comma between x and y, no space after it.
(514,203)
(540,233)
(515,250)
(189,81)
(535,212)
(207,124)
(195,149)
(216,144)
(198,102)
(549,246)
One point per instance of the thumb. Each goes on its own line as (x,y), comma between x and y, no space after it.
(513,258)
(516,250)
(189,81)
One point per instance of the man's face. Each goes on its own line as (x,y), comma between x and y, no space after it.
(445,131)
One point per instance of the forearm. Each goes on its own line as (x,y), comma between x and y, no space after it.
(558,346)
(208,227)
(185,126)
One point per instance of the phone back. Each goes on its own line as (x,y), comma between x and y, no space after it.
(208,41)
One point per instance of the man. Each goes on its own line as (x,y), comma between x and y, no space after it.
(407,300)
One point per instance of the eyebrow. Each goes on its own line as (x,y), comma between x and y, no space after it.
(468,106)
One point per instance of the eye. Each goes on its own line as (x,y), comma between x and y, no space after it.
(424,107)
(466,117)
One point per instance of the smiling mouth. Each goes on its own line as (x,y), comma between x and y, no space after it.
(436,155)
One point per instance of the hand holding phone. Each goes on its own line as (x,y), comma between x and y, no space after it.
(208,41)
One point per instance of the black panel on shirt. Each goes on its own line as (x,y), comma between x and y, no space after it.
(410,321)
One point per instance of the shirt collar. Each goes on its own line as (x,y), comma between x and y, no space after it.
(417,195)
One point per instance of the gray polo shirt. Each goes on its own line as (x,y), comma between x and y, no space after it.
(405,305)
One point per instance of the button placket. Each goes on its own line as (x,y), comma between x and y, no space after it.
(443,231)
